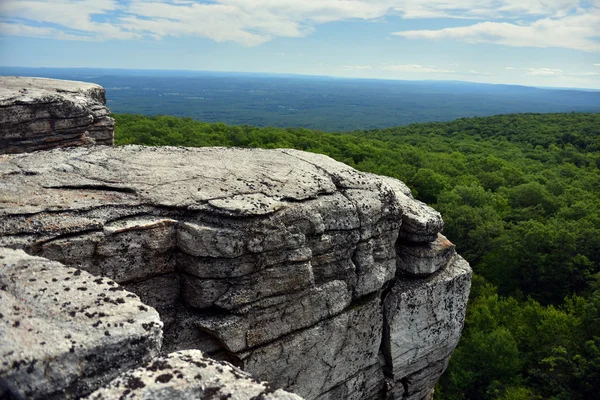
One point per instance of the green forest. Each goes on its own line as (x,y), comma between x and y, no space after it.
(520,197)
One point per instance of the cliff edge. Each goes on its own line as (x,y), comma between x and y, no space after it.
(320,279)
(42,114)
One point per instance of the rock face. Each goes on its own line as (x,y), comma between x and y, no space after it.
(41,114)
(300,270)
(64,331)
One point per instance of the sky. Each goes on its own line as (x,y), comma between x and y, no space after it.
(550,43)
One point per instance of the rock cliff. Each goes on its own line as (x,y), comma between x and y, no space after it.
(322,280)
(40,114)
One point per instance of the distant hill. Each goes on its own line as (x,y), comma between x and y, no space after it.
(324,103)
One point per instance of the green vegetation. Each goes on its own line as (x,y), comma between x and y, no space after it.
(520,195)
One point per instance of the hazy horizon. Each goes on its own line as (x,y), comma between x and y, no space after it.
(538,44)
(146,71)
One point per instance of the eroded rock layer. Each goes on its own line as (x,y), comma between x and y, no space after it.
(304,272)
(42,114)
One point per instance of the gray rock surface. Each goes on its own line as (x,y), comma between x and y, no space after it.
(188,374)
(63,331)
(424,258)
(275,260)
(41,114)
(424,319)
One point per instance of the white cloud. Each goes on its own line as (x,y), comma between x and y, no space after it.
(358,67)
(416,68)
(473,72)
(510,68)
(544,71)
(589,73)
(597,65)
(252,22)
(578,31)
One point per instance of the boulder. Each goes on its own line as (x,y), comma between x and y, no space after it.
(42,114)
(63,331)
(188,375)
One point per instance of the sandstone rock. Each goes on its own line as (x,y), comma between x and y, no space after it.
(424,259)
(41,114)
(424,319)
(63,332)
(420,223)
(332,352)
(188,375)
(275,260)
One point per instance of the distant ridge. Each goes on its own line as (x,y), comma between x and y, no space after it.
(314,102)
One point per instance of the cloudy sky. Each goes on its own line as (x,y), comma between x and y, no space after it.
(529,42)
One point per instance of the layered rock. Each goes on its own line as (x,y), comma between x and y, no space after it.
(41,114)
(308,274)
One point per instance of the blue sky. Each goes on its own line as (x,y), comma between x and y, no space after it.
(529,42)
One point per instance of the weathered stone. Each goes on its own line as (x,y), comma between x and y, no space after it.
(137,241)
(271,318)
(367,384)
(315,360)
(63,332)
(160,292)
(424,259)
(41,114)
(189,375)
(420,223)
(424,319)
(272,259)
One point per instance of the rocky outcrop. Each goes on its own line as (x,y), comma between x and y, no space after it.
(300,270)
(188,374)
(42,114)
(64,332)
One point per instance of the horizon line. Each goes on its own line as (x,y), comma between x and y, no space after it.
(289,74)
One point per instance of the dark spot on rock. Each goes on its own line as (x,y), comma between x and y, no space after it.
(159,365)
(210,393)
(96,324)
(164,378)
(82,288)
(77,273)
(142,308)
(133,383)
(16,324)
(147,326)
(106,333)
(31,367)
